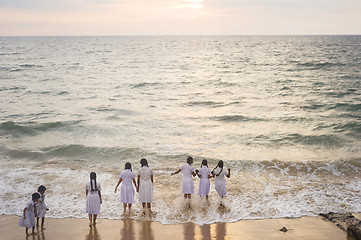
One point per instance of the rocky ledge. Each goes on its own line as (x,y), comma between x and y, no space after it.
(347,222)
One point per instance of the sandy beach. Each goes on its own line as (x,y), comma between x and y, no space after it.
(317,228)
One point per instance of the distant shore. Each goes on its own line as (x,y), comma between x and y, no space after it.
(310,228)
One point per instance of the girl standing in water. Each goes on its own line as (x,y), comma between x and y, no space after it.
(93,198)
(220,182)
(204,173)
(145,184)
(27,219)
(126,191)
(187,183)
(41,207)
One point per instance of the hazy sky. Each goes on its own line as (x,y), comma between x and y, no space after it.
(179,17)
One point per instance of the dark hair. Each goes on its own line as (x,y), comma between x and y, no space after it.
(128,166)
(93,176)
(42,188)
(35,196)
(204,163)
(189,160)
(220,165)
(144,162)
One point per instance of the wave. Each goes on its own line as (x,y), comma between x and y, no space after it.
(256,189)
(31,129)
(325,140)
(351,127)
(205,103)
(145,84)
(346,106)
(72,152)
(236,118)
(313,65)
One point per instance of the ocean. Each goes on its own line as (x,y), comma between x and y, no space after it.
(283,112)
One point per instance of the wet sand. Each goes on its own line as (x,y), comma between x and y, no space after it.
(317,228)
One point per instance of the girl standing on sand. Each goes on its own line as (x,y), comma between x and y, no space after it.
(145,184)
(93,198)
(126,191)
(187,183)
(204,173)
(41,207)
(220,182)
(27,219)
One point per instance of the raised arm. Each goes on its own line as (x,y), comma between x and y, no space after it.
(116,187)
(176,172)
(199,175)
(229,173)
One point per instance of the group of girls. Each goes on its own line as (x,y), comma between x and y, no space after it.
(34,208)
(204,173)
(144,185)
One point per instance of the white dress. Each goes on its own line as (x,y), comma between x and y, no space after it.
(145,185)
(92,199)
(187,183)
(41,207)
(220,182)
(204,184)
(127,190)
(29,222)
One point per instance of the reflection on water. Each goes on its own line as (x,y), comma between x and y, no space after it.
(146,231)
(206,231)
(221,231)
(93,234)
(188,231)
(127,232)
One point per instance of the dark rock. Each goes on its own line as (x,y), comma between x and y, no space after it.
(347,222)
(284,229)
(355,231)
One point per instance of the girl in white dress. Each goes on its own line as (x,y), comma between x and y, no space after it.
(93,198)
(220,182)
(204,173)
(41,206)
(126,191)
(187,183)
(145,184)
(27,219)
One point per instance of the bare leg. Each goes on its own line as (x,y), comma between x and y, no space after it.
(90,219)
(37,221)
(125,207)
(42,222)
(143,204)
(149,205)
(94,219)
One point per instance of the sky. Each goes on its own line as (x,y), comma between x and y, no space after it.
(179,17)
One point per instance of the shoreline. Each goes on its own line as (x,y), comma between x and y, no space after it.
(310,228)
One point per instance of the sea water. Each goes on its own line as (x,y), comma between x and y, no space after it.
(283,112)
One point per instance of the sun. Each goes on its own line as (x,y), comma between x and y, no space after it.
(192,4)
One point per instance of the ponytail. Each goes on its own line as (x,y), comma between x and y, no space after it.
(220,165)
(93,176)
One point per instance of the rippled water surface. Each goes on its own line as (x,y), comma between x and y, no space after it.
(283,112)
